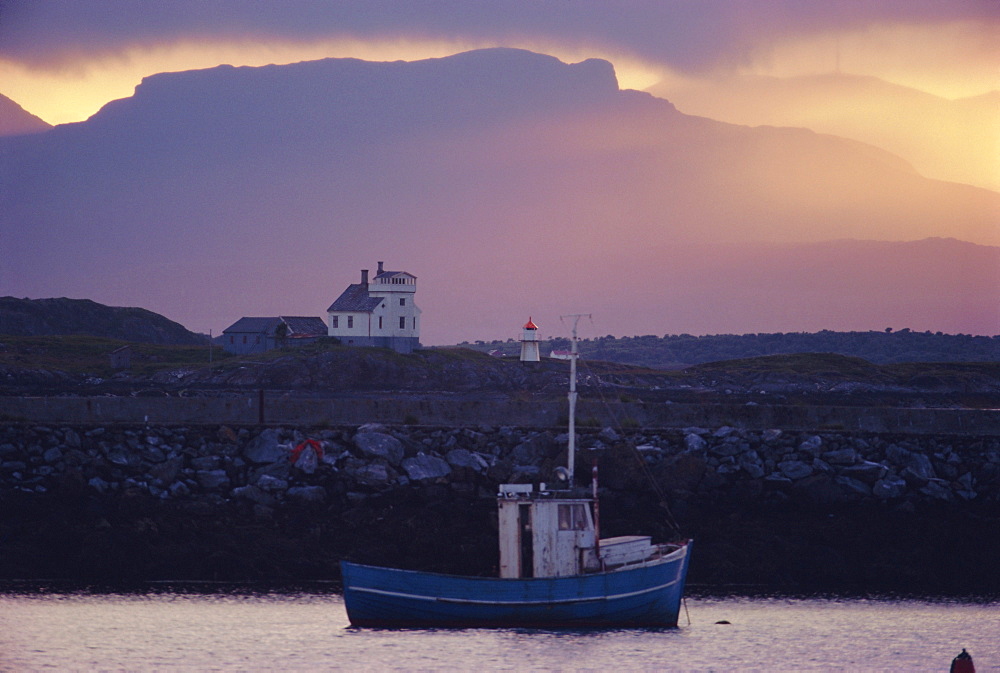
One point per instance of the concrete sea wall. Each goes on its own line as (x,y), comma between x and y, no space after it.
(469,411)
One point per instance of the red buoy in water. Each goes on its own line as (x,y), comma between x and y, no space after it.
(963,663)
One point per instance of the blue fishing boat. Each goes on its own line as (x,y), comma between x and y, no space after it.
(555,570)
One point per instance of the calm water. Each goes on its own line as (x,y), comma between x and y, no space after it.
(309,631)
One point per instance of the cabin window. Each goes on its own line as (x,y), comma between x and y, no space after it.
(350,321)
(572,517)
(335,322)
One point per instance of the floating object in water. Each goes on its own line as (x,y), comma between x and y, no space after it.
(723,621)
(963,663)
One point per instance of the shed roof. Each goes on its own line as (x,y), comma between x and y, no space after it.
(297,325)
(253,325)
(304,326)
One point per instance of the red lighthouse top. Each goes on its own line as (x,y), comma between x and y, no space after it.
(530,325)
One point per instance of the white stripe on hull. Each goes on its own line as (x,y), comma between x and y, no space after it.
(470,601)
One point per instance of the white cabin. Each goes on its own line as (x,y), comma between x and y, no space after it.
(553,534)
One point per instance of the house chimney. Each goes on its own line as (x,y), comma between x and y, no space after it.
(364,277)
(379,269)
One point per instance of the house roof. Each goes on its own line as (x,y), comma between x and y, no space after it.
(297,325)
(356,299)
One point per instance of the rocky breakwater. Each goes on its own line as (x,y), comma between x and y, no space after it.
(772,508)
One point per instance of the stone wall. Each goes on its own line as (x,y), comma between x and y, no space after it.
(783,509)
(261,465)
(468,410)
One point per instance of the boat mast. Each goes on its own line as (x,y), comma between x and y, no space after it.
(573,354)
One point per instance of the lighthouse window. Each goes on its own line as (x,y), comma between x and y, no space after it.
(402,301)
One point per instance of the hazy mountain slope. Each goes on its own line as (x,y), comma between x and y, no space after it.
(44,317)
(15,120)
(956,140)
(504,180)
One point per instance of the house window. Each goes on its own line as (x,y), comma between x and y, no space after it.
(402,322)
(244,338)
(402,301)
(350,322)
(232,339)
(380,322)
(414,322)
(335,322)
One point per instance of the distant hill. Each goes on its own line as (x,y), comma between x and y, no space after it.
(15,120)
(47,317)
(957,140)
(673,351)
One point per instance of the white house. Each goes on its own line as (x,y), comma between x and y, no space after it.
(378,313)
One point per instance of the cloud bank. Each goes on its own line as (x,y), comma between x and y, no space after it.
(684,35)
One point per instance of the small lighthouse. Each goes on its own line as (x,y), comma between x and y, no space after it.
(530,351)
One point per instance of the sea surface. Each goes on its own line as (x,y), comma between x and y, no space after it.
(166,630)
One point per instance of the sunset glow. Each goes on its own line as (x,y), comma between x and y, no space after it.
(951,60)
(774,131)
(72,93)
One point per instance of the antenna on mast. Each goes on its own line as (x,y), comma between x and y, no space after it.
(573,354)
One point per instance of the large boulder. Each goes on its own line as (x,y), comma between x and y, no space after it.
(379,445)
(422,467)
(812,445)
(916,467)
(265,448)
(462,458)
(533,450)
(694,442)
(376,473)
(795,469)
(889,487)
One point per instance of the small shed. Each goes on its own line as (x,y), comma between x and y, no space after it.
(256,335)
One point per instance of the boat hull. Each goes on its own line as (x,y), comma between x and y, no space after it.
(648,596)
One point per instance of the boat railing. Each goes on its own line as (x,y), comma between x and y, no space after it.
(660,552)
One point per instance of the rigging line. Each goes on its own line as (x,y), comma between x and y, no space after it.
(671,521)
